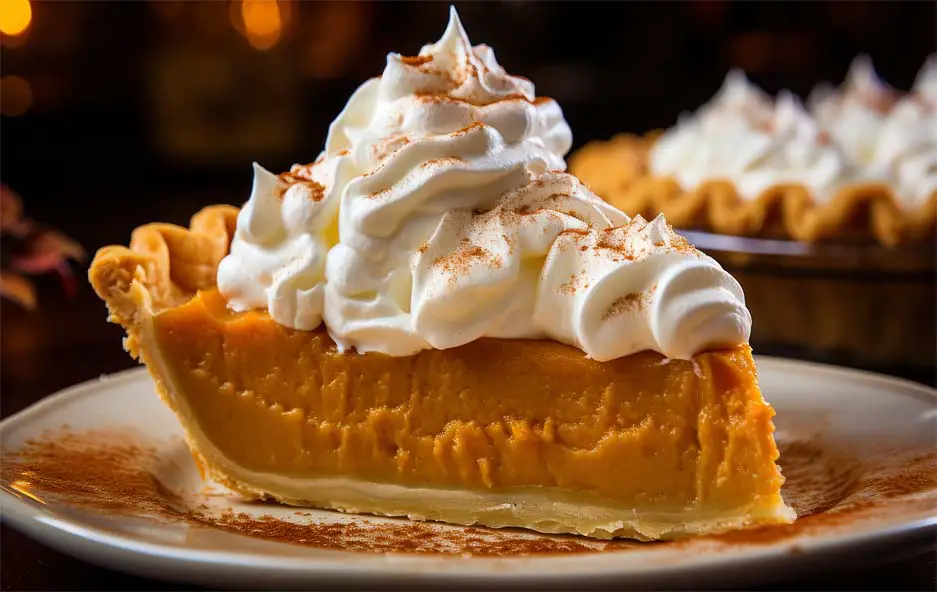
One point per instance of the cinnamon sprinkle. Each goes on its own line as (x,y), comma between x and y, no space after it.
(573,284)
(390,145)
(108,470)
(829,488)
(467,129)
(300,175)
(458,262)
(416,60)
(623,304)
(442,161)
(611,240)
(436,97)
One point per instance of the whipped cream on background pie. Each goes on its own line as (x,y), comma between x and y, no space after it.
(745,136)
(889,134)
(433,320)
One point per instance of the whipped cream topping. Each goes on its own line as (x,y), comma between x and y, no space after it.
(745,137)
(439,213)
(865,131)
(854,115)
(907,144)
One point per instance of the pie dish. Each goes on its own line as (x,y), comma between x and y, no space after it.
(433,321)
(860,165)
(825,302)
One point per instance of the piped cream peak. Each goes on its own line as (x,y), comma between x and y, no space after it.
(454,38)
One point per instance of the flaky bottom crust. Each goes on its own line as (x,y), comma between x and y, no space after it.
(546,510)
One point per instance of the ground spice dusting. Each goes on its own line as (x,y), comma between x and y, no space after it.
(467,129)
(766,126)
(883,102)
(112,471)
(611,239)
(681,244)
(432,98)
(300,176)
(458,262)
(829,488)
(622,305)
(303,171)
(105,470)
(436,162)
(416,60)
(574,283)
(388,146)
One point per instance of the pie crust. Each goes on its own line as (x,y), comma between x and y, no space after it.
(617,170)
(521,433)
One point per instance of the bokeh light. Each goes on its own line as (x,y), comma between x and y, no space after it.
(262,22)
(16,96)
(15,16)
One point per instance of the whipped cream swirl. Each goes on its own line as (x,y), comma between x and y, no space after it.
(854,114)
(892,136)
(439,213)
(744,137)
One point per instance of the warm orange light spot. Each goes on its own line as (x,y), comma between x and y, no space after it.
(15,16)
(16,96)
(262,22)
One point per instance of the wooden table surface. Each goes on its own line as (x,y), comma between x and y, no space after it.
(68,341)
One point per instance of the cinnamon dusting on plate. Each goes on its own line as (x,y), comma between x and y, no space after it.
(103,470)
(112,471)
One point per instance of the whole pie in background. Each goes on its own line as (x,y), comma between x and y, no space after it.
(859,164)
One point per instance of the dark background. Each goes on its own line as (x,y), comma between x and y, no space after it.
(137,106)
(142,111)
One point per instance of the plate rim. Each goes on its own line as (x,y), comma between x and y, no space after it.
(125,552)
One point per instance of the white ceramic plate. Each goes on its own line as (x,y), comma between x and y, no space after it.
(856,414)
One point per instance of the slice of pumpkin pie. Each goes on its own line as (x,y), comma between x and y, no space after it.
(433,320)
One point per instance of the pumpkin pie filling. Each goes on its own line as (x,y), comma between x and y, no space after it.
(560,416)
(533,423)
